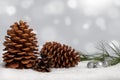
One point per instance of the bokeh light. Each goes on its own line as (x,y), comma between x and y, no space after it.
(79,23)
(94,7)
(72,4)
(10,10)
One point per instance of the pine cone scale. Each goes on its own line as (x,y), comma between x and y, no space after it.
(12,65)
(60,55)
(8,60)
(20,50)
(25,61)
(42,65)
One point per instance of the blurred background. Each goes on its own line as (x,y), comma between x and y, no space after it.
(78,23)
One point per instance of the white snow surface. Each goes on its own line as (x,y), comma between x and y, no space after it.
(80,72)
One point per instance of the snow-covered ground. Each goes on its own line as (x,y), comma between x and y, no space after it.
(80,72)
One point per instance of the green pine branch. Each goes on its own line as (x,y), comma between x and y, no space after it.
(104,53)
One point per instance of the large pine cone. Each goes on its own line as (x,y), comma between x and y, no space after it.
(61,55)
(42,65)
(20,46)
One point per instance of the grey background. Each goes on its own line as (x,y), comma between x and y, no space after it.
(78,23)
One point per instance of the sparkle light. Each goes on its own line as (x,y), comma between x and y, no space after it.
(87,25)
(94,6)
(11,10)
(72,3)
(55,7)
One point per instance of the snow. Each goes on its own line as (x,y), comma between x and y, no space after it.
(79,72)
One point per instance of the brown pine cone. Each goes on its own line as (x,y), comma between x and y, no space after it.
(61,55)
(42,65)
(20,46)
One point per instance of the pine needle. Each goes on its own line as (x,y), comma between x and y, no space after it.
(104,53)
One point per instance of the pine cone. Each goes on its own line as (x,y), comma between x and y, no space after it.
(61,55)
(42,65)
(20,46)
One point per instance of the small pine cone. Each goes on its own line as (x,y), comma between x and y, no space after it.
(42,65)
(60,55)
(20,46)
